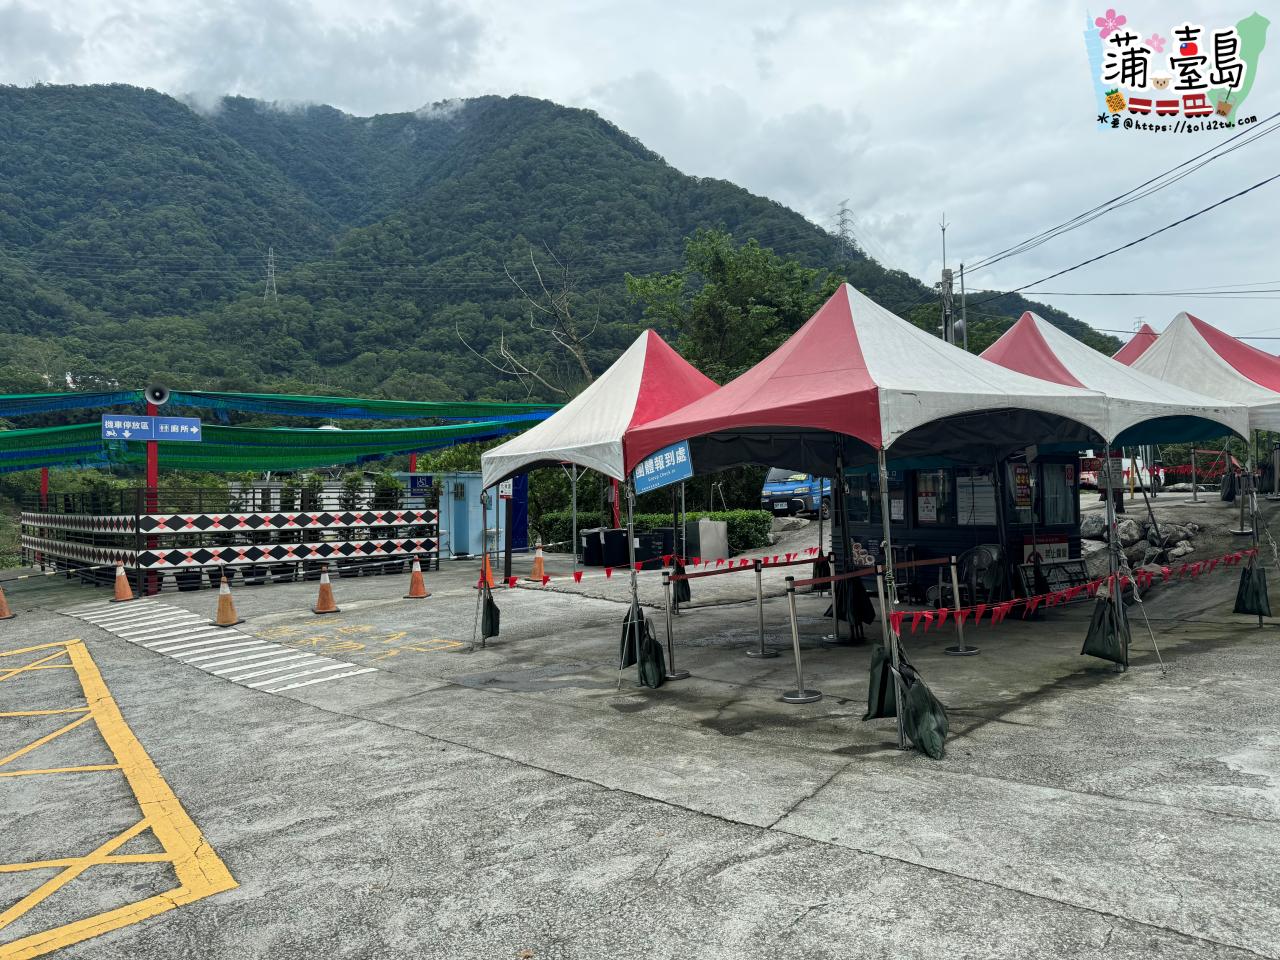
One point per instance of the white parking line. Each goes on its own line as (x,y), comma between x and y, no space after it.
(229,654)
(243,651)
(238,676)
(336,676)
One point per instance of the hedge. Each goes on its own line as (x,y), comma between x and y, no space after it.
(748,529)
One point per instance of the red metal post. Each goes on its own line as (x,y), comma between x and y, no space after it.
(153,497)
(44,488)
(413,463)
(617,506)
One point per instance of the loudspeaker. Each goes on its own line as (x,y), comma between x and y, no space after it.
(157,394)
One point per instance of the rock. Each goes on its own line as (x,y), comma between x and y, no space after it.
(1094,555)
(1176,488)
(785,524)
(1093,527)
(1137,554)
(1128,532)
(1181,549)
(1193,528)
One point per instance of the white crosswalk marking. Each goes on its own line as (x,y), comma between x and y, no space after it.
(223,652)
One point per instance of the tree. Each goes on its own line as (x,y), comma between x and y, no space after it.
(732,304)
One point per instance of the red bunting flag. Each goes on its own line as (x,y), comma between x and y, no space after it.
(719,561)
(639,564)
(790,557)
(608,572)
(962,615)
(666,559)
(1032,603)
(1213,563)
(545,579)
(895,621)
(511,581)
(775,558)
(941,615)
(978,611)
(928,620)
(915,620)
(1165,573)
(577,576)
(697,561)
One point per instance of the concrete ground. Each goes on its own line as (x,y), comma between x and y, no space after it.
(512,801)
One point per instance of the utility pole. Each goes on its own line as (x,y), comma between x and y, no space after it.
(270,292)
(964,315)
(844,229)
(945,287)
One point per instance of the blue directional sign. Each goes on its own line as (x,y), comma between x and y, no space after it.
(178,428)
(117,426)
(668,465)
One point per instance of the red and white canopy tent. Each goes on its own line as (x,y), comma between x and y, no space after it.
(1137,345)
(648,381)
(1193,354)
(1140,408)
(856,371)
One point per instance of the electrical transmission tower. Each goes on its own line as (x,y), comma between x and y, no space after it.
(270,292)
(844,230)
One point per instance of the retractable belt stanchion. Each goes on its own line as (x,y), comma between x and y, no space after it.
(961,649)
(801,694)
(672,673)
(1246,489)
(762,652)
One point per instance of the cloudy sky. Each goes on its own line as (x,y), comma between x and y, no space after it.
(985,111)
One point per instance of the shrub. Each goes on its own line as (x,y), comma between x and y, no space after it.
(748,529)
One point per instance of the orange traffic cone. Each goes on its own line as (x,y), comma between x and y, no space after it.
(124,592)
(325,602)
(417,586)
(486,572)
(539,571)
(5,612)
(227,616)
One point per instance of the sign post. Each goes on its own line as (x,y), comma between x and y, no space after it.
(506,490)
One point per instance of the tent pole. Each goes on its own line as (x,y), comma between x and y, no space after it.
(573,487)
(684,523)
(631,558)
(891,641)
(1113,544)
(1002,529)
(890,580)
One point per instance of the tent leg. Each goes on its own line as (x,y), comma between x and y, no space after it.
(801,694)
(1113,571)
(631,558)
(1246,482)
(890,581)
(573,488)
(891,642)
(672,673)
(762,652)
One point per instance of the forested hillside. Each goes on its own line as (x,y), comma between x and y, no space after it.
(134,233)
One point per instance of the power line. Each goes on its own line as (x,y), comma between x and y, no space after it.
(1133,243)
(1252,134)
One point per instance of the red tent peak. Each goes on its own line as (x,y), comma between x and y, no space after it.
(667,381)
(1136,346)
(1023,348)
(1257,365)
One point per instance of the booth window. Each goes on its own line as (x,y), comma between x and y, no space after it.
(859,498)
(1018,483)
(897,497)
(1057,493)
(975,498)
(935,505)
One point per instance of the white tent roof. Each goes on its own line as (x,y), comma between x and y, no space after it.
(648,380)
(1193,354)
(858,370)
(1038,348)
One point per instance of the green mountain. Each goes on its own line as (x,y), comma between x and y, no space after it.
(135,230)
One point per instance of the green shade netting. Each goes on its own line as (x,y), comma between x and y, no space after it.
(233,449)
(356,408)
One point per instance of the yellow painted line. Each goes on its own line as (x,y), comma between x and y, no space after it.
(72,861)
(66,728)
(33,665)
(60,644)
(43,713)
(200,873)
(91,768)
